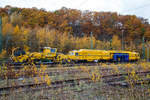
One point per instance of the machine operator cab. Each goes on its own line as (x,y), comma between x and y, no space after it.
(73,55)
(18,52)
(45,56)
(134,56)
(49,52)
(19,55)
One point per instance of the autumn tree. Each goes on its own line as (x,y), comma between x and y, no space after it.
(68,29)
(16,19)
(116,43)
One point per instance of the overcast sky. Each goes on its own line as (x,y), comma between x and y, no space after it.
(136,7)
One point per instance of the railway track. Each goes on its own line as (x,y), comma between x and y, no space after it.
(63,65)
(53,65)
(69,70)
(59,71)
(43,85)
(111,79)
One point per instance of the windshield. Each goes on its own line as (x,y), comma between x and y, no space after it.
(19,52)
(53,50)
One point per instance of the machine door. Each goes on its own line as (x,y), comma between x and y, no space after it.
(121,57)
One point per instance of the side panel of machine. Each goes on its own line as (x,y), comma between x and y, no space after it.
(89,55)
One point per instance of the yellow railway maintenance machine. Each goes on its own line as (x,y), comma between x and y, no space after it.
(19,55)
(87,55)
(46,56)
(49,55)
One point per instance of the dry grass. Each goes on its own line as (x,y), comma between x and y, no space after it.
(96,90)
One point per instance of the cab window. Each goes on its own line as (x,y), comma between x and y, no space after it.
(19,53)
(71,53)
(42,50)
(76,54)
(53,50)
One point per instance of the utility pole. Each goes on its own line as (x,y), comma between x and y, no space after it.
(143,47)
(122,30)
(122,40)
(110,44)
(143,43)
(0,34)
(91,40)
(147,53)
